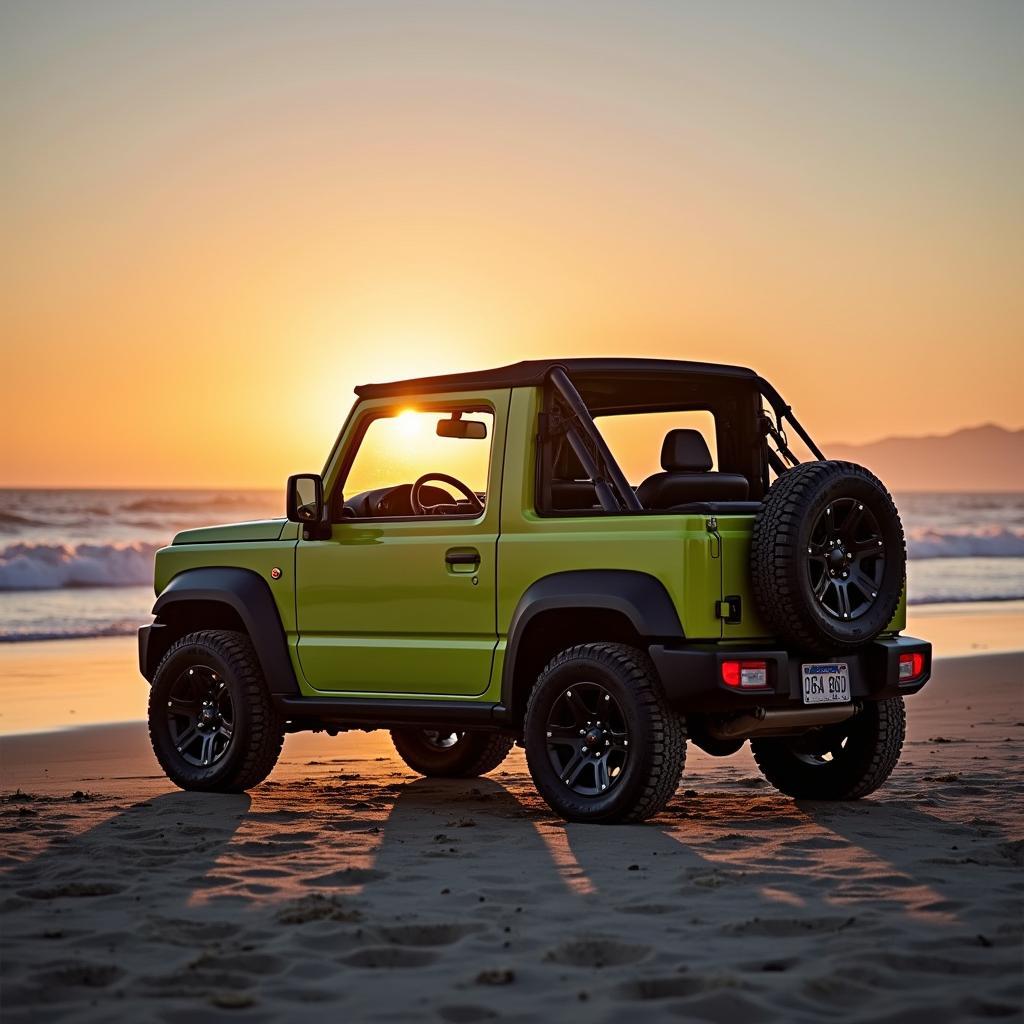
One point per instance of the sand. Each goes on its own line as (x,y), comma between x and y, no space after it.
(345,888)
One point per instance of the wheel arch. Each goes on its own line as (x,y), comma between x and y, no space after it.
(578,606)
(221,597)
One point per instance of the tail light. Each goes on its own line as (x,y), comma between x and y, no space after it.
(746,675)
(911,666)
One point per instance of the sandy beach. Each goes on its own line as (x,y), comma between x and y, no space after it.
(347,888)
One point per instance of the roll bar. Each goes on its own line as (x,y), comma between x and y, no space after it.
(570,418)
(775,430)
(610,483)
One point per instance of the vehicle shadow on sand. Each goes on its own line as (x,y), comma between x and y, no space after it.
(317,885)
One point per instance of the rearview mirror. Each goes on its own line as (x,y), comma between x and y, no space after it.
(305,502)
(474,430)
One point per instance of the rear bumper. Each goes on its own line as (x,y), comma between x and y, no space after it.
(692,675)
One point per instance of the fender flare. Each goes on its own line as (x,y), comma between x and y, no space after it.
(639,596)
(248,595)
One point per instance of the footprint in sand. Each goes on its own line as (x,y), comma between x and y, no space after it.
(428,934)
(389,957)
(347,876)
(788,927)
(672,987)
(317,907)
(465,1014)
(78,975)
(597,953)
(179,932)
(644,909)
(72,890)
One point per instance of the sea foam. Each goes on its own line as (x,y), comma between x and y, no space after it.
(29,566)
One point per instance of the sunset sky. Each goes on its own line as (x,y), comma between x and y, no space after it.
(219,217)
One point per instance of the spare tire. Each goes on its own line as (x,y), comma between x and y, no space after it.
(828,557)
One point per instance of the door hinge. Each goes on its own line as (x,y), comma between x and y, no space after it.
(729,609)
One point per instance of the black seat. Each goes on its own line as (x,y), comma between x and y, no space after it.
(687,475)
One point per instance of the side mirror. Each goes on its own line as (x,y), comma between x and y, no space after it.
(305,504)
(473,430)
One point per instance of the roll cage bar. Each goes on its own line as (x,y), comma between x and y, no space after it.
(568,417)
(776,430)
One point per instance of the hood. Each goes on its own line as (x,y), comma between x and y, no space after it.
(260,529)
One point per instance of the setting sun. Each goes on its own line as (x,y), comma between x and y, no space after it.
(409,423)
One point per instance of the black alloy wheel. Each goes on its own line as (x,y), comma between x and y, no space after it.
(200,716)
(603,745)
(846,560)
(212,720)
(587,739)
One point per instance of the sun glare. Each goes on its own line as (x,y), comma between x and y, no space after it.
(409,422)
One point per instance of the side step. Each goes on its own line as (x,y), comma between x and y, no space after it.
(389,713)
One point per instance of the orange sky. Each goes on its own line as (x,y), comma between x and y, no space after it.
(218,218)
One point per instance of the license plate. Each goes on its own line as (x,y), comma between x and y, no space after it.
(826,683)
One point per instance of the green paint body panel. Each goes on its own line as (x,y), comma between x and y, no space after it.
(676,550)
(261,529)
(376,610)
(381,612)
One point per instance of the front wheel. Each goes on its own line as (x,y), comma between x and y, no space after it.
(444,754)
(602,744)
(212,723)
(844,761)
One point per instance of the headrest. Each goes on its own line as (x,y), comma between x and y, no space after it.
(686,451)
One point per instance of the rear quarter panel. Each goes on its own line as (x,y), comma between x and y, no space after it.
(677,550)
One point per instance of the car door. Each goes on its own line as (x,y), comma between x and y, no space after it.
(400,604)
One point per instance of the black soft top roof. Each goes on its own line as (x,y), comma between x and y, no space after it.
(532,372)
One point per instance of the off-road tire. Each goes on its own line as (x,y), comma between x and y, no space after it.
(474,753)
(779,557)
(258,730)
(656,733)
(874,741)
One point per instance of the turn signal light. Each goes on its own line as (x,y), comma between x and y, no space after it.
(911,666)
(745,674)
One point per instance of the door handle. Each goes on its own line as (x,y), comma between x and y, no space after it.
(463,557)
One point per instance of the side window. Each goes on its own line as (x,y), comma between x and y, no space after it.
(635,440)
(399,447)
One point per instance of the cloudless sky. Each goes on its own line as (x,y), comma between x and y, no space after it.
(219,217)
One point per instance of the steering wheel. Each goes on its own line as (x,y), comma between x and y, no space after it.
(414,495)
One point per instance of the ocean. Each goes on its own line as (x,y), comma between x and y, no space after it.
(79,563)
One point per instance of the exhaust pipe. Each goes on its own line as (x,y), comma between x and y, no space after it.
(768,721)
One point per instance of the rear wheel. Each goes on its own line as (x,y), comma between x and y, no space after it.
(602,743)
(443,753)
(212,723)
(844,761)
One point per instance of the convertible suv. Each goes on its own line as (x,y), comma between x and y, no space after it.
(474,568)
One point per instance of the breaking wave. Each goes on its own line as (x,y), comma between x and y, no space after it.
(13,636)
(983,542)
(191,502)
(54,566)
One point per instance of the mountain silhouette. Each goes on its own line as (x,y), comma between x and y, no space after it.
(985,458)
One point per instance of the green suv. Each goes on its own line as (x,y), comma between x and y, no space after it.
(474,568)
